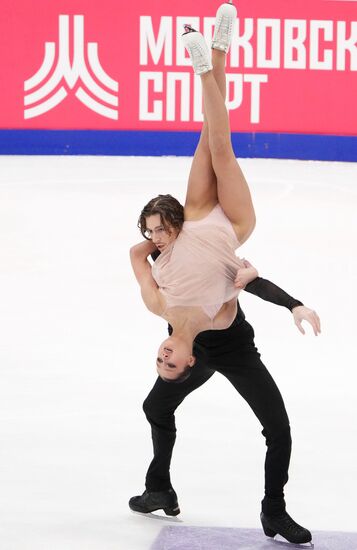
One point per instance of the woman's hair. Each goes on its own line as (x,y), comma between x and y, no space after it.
(170,210)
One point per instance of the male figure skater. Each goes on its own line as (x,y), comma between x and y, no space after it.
(232,353)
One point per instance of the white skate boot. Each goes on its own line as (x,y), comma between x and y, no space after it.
(225,19)
(197,48)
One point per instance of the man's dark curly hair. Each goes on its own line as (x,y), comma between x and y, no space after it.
(170,210)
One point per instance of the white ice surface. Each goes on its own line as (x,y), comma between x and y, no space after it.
(77,349)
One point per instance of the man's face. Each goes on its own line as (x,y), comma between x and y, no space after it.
(157,232)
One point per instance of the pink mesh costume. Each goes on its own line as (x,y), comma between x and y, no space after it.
(199,267)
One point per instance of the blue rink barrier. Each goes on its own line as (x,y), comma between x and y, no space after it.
(154,143)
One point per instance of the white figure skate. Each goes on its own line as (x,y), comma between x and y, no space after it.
(198,50)
(225,19)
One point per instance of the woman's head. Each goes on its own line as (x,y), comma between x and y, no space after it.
(174,359)
(161,220)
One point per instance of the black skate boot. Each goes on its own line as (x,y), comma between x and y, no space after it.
(150,501)
(285,526)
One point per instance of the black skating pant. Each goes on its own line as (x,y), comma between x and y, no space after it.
(232,353)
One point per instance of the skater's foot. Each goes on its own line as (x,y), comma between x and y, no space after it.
(223,29)
(285,526)
(197,49)
(150,501)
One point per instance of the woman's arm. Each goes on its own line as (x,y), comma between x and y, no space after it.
(272,293)
(142,270)
(266,290)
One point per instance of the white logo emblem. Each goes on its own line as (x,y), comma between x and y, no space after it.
(46,98)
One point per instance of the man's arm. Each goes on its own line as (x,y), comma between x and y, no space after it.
(266,290)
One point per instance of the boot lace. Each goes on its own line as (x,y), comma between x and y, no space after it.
(224,29)
(198,56)
(289,524)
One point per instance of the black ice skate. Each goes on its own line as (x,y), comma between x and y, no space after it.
(151,501)
(285,526)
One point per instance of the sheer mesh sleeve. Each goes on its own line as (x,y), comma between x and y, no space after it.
(271,293)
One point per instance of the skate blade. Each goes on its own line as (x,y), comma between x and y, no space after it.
(158,517)
(283,542)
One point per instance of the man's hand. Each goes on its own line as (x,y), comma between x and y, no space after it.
(302,313)
(245,275)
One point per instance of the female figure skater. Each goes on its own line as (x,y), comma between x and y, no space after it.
(195,282)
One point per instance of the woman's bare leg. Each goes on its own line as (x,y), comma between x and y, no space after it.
(202,183)
(232,189)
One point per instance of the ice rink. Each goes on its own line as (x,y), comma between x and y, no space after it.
(78,346)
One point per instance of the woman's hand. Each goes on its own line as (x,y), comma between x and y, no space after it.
(245,274)
(303,313)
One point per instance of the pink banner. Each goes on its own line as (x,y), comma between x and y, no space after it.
(114,65)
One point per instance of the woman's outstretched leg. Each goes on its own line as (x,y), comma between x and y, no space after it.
(201,194)
(232,189)
(202,184)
